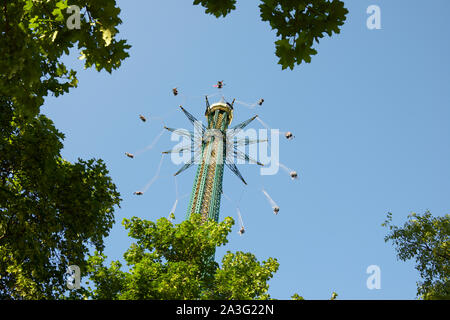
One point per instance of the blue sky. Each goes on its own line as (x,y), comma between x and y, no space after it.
(370,117)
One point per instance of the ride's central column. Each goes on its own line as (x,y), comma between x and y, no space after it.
(207,188)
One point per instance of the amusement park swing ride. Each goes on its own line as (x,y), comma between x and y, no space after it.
(213,147)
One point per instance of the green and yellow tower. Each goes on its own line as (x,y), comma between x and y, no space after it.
(218,147)
(207,189)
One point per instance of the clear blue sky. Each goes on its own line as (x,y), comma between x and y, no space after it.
(370,117)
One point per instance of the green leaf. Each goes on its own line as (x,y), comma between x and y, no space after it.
(299,24)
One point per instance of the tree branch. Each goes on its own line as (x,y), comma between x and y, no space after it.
(5,12)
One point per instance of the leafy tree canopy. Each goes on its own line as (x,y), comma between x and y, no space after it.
(35,35)
(218,8)
(51,210)
(298,24)
(426,239)
(174,261)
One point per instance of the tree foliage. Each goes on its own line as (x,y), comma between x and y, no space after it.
(34,37)
(427,239)
(298,24)
(218,8)
(175,261)
(50,209)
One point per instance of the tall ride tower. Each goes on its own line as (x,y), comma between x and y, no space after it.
(207,189)
(219,146)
